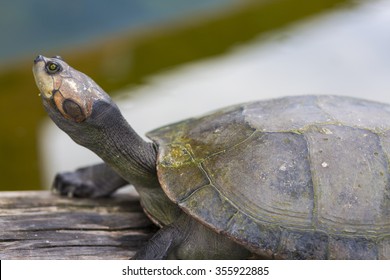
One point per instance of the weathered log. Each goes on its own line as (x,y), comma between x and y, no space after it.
(42,225)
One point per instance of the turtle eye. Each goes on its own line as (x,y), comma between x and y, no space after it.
(52,67)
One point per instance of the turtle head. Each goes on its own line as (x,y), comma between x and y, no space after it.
(78,106)
(68,95)
(75,103)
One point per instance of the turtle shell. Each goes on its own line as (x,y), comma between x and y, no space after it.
(302,177)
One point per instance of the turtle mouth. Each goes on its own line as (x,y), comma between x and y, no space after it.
(43,80)
(47,94)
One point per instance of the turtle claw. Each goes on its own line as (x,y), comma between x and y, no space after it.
(92,181)
(71,184)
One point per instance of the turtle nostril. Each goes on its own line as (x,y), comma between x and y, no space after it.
(38,58)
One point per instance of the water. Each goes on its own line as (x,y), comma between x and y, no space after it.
(28,27)
(343,52)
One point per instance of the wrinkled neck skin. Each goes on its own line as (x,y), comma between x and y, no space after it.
(115,141)
(109,136)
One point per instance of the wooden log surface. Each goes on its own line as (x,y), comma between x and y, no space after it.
(42,225)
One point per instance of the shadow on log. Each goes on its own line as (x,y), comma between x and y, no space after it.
(42,225)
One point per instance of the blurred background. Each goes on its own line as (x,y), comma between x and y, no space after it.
(163,61)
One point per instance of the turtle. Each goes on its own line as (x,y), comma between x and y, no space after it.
(295,177)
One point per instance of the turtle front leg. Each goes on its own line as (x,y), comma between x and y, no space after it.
(93,181)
